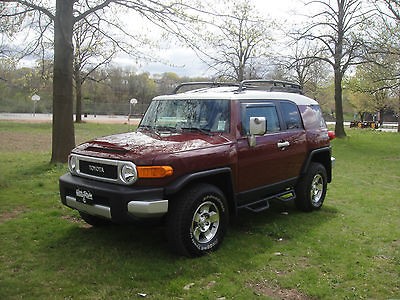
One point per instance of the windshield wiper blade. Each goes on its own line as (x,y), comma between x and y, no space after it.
(202,130)
(158,129)
(165,128)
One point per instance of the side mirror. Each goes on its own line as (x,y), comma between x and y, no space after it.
(258,126)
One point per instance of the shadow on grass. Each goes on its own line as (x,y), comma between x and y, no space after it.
(146,244)
(65,257)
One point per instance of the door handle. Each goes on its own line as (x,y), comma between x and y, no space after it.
(283,144)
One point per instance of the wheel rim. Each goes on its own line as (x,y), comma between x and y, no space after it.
(317,189)
(205,222)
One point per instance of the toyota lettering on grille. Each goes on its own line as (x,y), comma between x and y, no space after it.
(97,169)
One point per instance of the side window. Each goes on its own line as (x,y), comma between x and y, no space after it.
(312,117)
(291,115)
(267,111)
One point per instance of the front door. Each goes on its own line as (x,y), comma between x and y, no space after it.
(278,154)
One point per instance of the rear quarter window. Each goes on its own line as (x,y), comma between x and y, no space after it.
(312,117)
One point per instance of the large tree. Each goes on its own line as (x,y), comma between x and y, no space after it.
(335,29)
(91,51)
(301,66)
(368,89)
(384,53)
(170,15)
(235,41)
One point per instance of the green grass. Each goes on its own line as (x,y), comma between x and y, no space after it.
(347,250)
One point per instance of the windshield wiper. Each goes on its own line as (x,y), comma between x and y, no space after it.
(158,129)
(165,128)
(202,130)
(147,127)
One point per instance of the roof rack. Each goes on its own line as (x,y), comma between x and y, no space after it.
(274,86)
(204,83)
(254,84)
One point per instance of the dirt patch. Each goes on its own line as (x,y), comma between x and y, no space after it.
(76,220)
(275,292)
(9,215)
(24,142)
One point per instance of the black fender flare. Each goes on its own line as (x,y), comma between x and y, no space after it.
(181,182)
(321,155)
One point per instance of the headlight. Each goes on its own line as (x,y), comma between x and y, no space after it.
(128,174)
(72,164)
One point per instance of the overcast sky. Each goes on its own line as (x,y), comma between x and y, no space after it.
(185,60)
(190,65)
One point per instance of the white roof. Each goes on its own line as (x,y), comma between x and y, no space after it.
(230,93)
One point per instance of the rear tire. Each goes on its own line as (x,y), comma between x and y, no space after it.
(197,220)
(311,189)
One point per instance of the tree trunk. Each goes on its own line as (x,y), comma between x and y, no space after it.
(78,96)
(398,116)
(63,123)
(339,127)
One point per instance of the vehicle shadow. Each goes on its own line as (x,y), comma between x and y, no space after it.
(147,240)
(138,255)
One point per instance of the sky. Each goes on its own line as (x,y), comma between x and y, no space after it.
(185,61)
(188,64)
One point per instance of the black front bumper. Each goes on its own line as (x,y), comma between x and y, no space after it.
(112,201)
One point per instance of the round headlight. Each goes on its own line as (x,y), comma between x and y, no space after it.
(72,163)
(128,174)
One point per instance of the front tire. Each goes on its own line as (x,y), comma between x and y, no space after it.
(197,220)
(311,189)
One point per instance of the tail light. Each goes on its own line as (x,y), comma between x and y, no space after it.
(331,135)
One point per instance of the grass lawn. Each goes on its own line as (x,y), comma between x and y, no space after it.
(347,250)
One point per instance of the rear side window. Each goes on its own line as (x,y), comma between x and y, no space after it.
(291,115)
(267,111)
(312,117)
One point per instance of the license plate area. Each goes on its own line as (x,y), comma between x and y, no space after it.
(84,196)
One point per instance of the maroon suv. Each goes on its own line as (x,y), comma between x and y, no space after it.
(199,156)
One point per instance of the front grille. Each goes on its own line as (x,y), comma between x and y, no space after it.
(98,169)
(101,169)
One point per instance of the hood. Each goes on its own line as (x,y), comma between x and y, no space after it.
(134,145)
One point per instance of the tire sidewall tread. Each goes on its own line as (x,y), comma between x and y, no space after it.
(303,188)
(180,216)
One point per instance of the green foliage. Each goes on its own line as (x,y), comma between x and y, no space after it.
(367,87)
(347,250)
(19,84)
(108,91)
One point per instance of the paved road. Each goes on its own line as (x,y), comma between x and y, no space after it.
(117,119)
(48,118)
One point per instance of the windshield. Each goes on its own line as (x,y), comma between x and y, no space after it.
(180,115)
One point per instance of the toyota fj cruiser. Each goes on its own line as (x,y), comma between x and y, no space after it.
(199,156)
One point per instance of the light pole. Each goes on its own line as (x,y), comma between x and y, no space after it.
(133,101)
(35,98)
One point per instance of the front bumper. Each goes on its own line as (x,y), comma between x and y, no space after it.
(111,201)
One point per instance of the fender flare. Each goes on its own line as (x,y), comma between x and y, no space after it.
(181,182)
(327,162)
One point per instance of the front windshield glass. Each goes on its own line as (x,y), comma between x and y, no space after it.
(192,115)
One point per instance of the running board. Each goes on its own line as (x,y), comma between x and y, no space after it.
(263,204)
(286,196)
